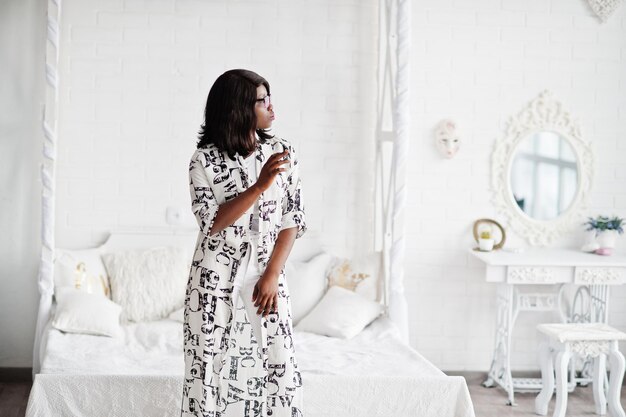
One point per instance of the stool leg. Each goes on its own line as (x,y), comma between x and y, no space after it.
(562,359)
(615,381)
(599,372)
(547,380)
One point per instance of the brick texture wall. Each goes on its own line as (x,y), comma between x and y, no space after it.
(480,62)
(134,81)
(135,75)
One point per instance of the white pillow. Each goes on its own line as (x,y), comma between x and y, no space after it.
(360,275)
(80,269)
(149,284)
(178,315)
(307,246)
(80,312)
(341,313)
(306,282)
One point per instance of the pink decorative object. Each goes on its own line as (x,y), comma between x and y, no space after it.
(604,251)
(606,230)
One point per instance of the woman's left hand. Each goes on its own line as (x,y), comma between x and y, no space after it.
(265,294)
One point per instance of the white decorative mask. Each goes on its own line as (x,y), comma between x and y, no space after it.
(447,138)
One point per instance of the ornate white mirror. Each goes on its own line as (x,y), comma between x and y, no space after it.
(541,171)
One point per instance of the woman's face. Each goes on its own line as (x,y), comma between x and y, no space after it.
(264,115)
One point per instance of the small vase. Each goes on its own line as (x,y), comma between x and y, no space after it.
(485,245)
(606,242)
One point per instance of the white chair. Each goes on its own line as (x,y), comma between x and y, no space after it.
(595,340)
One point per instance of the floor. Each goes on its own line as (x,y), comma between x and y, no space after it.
(488,402)
(13,398)
(491,402)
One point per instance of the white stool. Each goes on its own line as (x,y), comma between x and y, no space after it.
(587,340)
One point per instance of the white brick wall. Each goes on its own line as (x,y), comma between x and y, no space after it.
(480,62)
(135,76)
(134,81)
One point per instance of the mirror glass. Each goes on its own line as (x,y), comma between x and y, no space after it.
(544,175)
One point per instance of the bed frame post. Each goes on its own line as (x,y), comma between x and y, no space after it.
(45,280)
(392,131)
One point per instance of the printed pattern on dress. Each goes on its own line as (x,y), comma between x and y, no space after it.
(228,373)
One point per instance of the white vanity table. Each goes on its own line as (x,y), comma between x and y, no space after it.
(541,176)
(543,266)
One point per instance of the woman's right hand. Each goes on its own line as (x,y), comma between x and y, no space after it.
(271,168)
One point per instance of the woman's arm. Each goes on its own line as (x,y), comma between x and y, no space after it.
(203,203)
(213,218)
(293,225)
(282,249)
(233,209)
(293,204)
(265,293)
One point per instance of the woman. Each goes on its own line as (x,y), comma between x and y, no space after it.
(246,196)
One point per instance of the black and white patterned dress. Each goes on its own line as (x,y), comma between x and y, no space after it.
(227,373)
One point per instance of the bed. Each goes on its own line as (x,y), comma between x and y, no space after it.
(141,372)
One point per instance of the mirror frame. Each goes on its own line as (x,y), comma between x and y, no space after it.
(543,113)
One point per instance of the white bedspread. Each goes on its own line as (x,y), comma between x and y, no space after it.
(374,374)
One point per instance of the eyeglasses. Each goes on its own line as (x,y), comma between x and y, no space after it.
(266,101)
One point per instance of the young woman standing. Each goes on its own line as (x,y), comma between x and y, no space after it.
(247,198)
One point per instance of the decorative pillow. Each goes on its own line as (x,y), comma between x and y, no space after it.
(306,282)
(149,284)
(341,313)
(359,275)
(80,312)
(81,269)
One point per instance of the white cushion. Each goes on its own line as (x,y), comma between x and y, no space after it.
(80,269)
(306,282)
(178,315)
(80,312)
(149,284)
(360,275)
(569,332)
(341,313)
(306,247)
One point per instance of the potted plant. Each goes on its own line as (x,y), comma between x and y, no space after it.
(485,242)
(606,231)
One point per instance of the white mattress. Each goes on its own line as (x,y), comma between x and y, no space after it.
(373,374)
(155,348)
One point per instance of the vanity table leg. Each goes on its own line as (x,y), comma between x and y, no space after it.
(512,313)
(492,375)
(616,366)
(599,373)
(547,378)
(500,369)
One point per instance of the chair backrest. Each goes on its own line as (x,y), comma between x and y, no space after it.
(589,305)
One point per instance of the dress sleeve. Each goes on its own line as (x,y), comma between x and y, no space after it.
(292,204)
(203,203)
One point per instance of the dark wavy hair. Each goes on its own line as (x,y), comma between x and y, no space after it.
(229,117)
